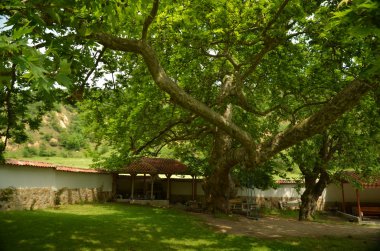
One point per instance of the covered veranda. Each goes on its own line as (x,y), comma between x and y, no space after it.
(362,208)
(150,179)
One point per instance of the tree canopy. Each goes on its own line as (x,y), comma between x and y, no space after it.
(257,77)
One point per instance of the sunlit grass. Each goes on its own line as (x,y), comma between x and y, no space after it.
(130,227)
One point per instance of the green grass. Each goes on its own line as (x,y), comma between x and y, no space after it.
(293,214)
(120,227)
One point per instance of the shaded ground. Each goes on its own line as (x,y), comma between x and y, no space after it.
(276,227)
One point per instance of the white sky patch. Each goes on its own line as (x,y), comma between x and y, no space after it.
(212,52)
(310,18)
(3,26)
(218,83)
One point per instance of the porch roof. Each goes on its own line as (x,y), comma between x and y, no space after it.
(374,182)
(155,166)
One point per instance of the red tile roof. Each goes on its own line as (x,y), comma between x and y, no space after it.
(286,181)
(374,183)
(156,166)
(38,164)
(16,162)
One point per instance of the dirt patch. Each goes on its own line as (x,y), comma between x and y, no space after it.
(276,227)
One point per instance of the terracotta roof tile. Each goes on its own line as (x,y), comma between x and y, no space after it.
(156,166)
(357,178)
(77,170)
(286,181)
(29,163)
(39,164)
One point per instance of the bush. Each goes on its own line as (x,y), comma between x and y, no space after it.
(47,136)
(29,152)
(73,141)
(44,152)
(53,142)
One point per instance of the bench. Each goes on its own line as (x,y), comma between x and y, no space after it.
(235,204)
(292,204)
(370,211)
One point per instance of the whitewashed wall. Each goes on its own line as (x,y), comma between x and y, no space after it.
(181,187)
(334,194)
(31,177)
(26,177)
(283,191)
(83,180)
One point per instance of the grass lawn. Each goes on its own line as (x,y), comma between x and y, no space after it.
(120,227)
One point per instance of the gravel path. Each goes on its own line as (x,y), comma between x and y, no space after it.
(275,227)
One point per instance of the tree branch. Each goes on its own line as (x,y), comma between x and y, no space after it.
(95,66)
(161,133)
(149,19)
(117,43)
(225,55)
(183,99)
(344,101)
(243,103)
(276,16)
(255,61)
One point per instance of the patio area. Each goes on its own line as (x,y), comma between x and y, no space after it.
(150,180)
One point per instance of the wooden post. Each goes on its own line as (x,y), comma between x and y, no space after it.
(195,187)
(144,186)
(151,186)
(192,188)
(358,203)
(114,184)
(133,185)
(343,200)
(168,186)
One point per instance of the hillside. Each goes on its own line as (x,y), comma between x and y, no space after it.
(60,140)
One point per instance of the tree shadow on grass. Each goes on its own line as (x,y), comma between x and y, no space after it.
(118,227)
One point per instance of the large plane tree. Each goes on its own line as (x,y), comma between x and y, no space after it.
(246,68)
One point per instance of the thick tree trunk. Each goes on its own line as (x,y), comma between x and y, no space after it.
(309,198)
(219,188)
(308,205)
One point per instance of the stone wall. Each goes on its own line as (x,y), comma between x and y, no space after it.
(38,198)
(81,195)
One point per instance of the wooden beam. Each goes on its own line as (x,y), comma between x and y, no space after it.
(343,200)
(151,186)
(195,187)
(114,184)
(144,186)
(358,203)
(168,186)
(133,185)
(192,188)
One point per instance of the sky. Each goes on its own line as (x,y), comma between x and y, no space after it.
(3,19)
(99,83)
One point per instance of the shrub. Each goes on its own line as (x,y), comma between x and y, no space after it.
(29,152)
(44,152)
(72,141)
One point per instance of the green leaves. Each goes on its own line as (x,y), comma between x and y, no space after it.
(22,31)
(64,71)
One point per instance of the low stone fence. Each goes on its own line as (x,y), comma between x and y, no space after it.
(37,198)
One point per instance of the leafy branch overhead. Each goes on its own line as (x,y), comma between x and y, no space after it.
(257,77)
(268,30)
